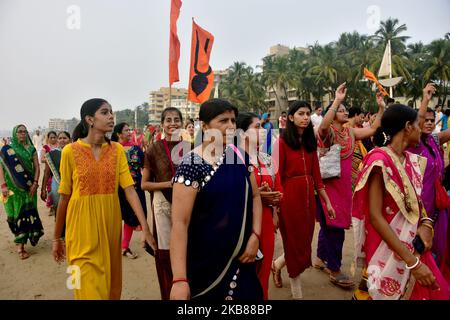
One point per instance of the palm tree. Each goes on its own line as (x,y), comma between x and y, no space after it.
(324,69)
(278,75)
(437,66)
(389,30)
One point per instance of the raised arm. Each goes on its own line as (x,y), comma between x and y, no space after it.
(364,133)
(325,125)
(428,92)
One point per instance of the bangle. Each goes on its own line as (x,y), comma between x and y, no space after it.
(180,280)
(415,265)
(427,219)
(58,240)
(257,235)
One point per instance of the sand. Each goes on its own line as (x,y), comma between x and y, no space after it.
(40,277)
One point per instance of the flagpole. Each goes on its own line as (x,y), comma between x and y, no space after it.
(170,94)
(391,93)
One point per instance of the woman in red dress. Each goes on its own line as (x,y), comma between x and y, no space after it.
(270,190)
(298,166)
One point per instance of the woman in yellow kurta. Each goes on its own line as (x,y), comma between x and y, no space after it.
(92,168)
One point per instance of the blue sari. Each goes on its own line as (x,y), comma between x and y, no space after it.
(220,226)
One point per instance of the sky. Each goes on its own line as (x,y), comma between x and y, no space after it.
(56,54)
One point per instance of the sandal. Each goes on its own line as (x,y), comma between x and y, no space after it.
(276,276)
(320,265)
(23,254)
(127,253)
(342,280)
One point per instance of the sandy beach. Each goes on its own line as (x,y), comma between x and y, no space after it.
(41,278)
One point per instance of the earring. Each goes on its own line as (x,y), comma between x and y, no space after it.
(92,125)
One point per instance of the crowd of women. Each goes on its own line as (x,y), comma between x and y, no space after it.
(217,200)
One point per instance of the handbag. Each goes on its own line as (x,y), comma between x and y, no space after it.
(330,161)
(442,202)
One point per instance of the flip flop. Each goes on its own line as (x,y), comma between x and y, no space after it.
(127,253)
(342,281)
(322,267)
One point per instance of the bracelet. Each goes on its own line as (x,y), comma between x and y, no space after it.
(427,219)
(257,235)
(180,280)
(334,109)
(415,265)
(58,240)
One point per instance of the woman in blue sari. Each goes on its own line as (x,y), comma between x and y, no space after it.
(19,178)
(216,215)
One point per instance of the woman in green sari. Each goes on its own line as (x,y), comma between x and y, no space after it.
(19,174)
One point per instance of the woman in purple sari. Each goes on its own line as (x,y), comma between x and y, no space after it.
(332,232)
(430,148)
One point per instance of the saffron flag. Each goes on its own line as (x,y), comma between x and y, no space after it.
(174,42)
(201,76)
(371,77)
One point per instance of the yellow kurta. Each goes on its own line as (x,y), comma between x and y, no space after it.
(94,221)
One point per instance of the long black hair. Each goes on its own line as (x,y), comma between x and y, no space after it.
(118,128)
(393,121)
(291,135)
(89,108)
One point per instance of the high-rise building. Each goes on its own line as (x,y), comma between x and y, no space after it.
(158,100)
(276,97)
(188,109)
(57,124)
(62,125)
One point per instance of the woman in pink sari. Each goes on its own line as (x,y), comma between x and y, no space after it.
(392,232)
(51,143)
(332,231)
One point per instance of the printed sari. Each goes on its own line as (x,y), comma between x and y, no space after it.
(220,226)
(21,208)
(385,272)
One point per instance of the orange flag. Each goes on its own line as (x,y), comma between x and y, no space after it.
(201,76)
(174,43)
(371,77)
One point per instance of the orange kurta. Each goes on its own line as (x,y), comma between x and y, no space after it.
(93,221)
